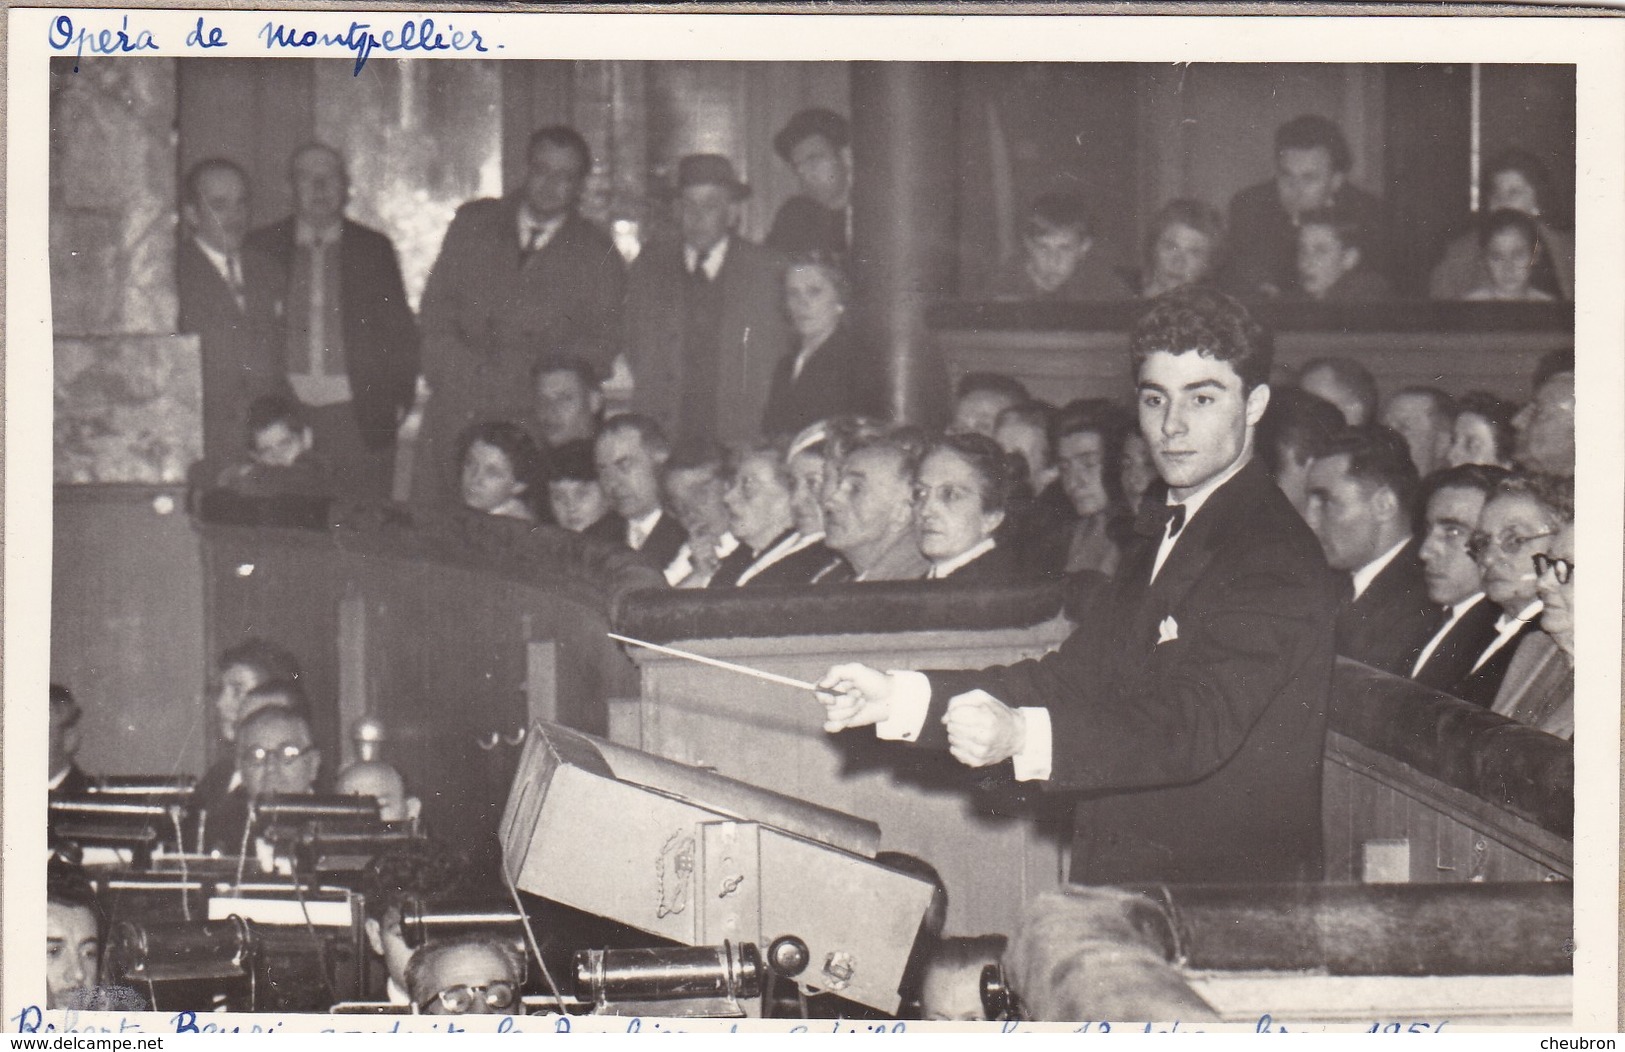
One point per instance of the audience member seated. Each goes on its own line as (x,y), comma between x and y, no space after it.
(243,667)
(380,781)
(1518,522)
(869,512)
(1545,427)
(806,556)
(1344,383)
(573,493)
(1538,688)
(472,975)
(1312,163)
(1362,504)
(275,755)
(952,988)
(1483,432)
(280,462)
(1059,260)
(1452,501)
(1184,248)
(1515,180)
(1297,427)
(500,466)
(693,484)
(397,883)
(757,499)
(961,489)
(73,941)
(66,777)
(814,144)
(1037,509)
(1426,417)
(1331,261)
(979,398)
(569,401)
(1024,431)
(831,371)
(1510,245)
(1135,470)
(630,452)
(1086,439)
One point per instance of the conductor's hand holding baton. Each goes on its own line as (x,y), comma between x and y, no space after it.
(855,695)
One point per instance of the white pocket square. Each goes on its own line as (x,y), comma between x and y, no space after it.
(1168,631)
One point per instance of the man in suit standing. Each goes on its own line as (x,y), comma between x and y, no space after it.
(352,343)
(1362,498)
(228,296)
(705,317)
(1189,707)
(1453,499)
(814,143)
(516,277)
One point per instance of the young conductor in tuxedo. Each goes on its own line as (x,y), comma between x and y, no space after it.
(1188,709)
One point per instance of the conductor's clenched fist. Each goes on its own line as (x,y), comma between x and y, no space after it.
(982,730)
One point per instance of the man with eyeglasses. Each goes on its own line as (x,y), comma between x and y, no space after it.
(1539,686)
(474,975)
(275,755)
(1517,523)
(1453,500)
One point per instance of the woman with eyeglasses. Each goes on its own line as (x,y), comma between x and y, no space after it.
(472,975)
(961,494)
(1539,684)
(1520,520)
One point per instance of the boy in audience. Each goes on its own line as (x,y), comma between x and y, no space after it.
(979,398)
(1330,261)
(1362,499)
(573,492)
(281,462)
(244,667)
(569,400)
(1344,383)
(1059,259)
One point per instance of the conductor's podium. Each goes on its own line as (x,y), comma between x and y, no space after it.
(1419,787)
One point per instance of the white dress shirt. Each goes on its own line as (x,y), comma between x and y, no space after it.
(1507,626)
(713,260)
(638,530)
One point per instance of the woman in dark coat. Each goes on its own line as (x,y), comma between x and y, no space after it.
(830,373)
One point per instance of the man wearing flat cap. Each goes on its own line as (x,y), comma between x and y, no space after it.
(705,314)
(814,144)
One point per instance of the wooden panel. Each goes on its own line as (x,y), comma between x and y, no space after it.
(771,736)
(127,627)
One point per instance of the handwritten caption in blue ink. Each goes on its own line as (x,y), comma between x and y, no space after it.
(413,36)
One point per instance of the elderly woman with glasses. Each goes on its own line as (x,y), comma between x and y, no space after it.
(1538,688)
(961,495)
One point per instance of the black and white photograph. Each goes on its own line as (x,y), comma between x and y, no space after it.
(859,523)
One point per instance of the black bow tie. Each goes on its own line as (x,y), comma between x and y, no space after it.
(1155,518)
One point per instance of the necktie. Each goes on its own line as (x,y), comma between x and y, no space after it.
(234,278)
(1154,518)
(699,274)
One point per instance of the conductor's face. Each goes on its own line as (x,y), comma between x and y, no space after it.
(1197,417)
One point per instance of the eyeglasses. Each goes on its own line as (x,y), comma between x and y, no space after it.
(950,495)
(281,755)
(1478,545)
(1562,569)
(457,1000)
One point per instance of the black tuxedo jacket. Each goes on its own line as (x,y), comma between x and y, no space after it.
(658,550)
(1189,713)
(799,568)
(1393,619)
(1453,658)
(843,376)
(1481,687)
(995,566)
(380,334)
(240,346)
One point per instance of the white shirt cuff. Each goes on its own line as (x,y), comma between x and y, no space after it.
(1033,762)
(910,703)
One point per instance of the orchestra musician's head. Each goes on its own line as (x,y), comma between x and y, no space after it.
(397,884)
(276,753)
(1201,367)
(243,667)
(952,987)
(73,943)
(472,975)
(380,781)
